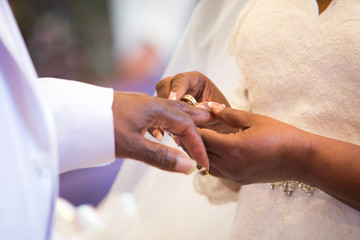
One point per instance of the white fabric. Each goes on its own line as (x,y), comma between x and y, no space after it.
(304,69)
(165,205)
(158,23)
(299,67)
(83,115)
(316,6)
(28,136)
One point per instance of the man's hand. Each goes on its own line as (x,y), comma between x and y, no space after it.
(200,87)
(135,113)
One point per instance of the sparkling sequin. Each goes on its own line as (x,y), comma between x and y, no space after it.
(290,186)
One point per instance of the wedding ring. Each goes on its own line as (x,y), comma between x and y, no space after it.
(189,99)
(204,171)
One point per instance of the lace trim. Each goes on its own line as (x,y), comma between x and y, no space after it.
(290,186)
(214,189)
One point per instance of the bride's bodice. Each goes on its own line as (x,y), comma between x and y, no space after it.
(300,67)
(304,69)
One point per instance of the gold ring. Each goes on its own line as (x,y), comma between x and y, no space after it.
(189,99)
(204,171)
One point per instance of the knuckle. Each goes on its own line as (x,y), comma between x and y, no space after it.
(188,125)
(199,76)
(188,121)
(183,115)
(153,104)
(197,73)
(161,85)
(183,106)
(178,76)
(160,158)
(178,80)
(151,110)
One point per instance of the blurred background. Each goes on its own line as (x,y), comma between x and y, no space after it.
(123,44)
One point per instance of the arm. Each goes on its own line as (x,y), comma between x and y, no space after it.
(334,167)
(88,119)
(267,150)
(76,109)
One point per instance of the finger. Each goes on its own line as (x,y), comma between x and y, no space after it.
(199,115)
(164,157)
(213,158)
(163,87)
(184,128)
(187,83)
(214,172)
(214,142)
(157,133)
(232,117)
(204,105)
(179,86)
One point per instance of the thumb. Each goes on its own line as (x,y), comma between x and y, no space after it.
(229,116)
(164,157)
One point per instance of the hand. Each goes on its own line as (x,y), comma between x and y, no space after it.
(135,113)
(268,150)
(263,150)
(193,83)
(200,87)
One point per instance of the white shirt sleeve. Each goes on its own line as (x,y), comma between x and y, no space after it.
(83,120)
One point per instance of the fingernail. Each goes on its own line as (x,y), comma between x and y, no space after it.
(172,96)
(157,134)
(204,105)
(185,165)
(216,106)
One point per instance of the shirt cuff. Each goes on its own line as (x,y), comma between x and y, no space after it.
(84,122)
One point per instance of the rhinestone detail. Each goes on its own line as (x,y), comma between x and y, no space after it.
(290,186)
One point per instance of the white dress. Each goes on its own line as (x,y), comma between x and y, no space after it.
(147,203)
(304,69)
(296,66)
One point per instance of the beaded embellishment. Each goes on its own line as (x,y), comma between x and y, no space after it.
(290,186)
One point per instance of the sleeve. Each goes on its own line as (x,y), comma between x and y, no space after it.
(83,120)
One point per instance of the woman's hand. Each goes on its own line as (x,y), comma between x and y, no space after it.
(200,87)
(193,83)
(268,150)
(263,150)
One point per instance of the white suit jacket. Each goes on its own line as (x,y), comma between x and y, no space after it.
(47,126)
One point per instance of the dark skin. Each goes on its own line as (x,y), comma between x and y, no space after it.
(268,150)
(200,87)
(135,113)
(323,4)
(264,149)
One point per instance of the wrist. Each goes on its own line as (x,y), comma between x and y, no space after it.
(301,157)
(116,113)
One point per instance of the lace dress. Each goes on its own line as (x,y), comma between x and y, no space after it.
(304,69)
(296,66)
(147,203)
